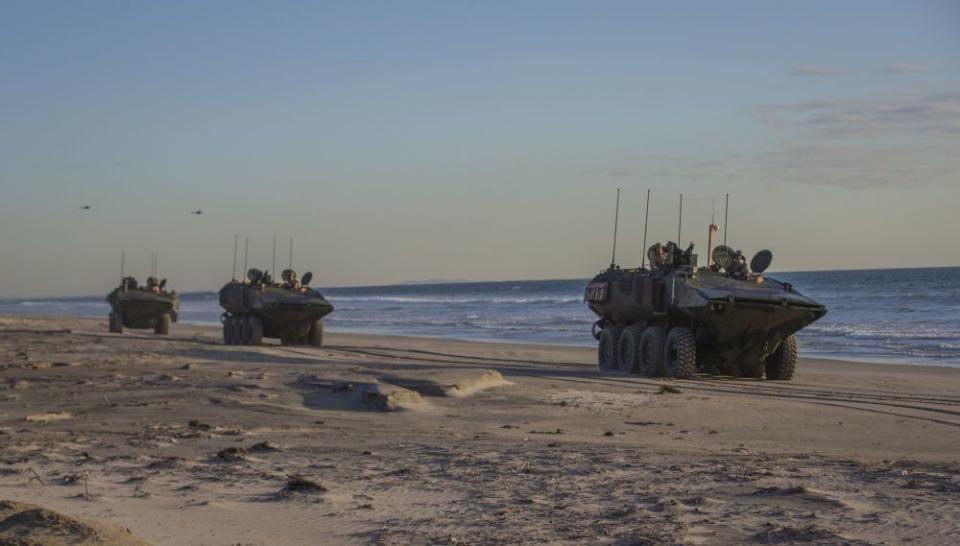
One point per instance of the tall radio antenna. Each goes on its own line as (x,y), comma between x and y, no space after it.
(236,240)
(726,210)
(123,259)
(273,268)
(616,221)
(246,252)
(291,253)
(646,218)
(680,223)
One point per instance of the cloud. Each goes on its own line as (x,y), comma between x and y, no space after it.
(906,68)
(937,114)
(819,71)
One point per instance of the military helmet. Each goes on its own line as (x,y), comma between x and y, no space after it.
(288,275)
(153,281)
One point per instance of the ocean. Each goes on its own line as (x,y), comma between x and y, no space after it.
(884,315)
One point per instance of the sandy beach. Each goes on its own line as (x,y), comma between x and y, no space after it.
(390,440)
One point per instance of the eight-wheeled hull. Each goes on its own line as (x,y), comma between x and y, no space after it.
(282,313)
(735,323)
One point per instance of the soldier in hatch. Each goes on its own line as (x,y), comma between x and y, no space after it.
(738,268)
(290,281)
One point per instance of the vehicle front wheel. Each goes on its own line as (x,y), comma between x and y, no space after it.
(162,327)
(781,365)
(315,337)
(607,351)
(116,323)
(680,353)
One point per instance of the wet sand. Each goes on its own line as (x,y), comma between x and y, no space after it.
(389,440)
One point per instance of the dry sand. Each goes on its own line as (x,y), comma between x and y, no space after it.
(385,440)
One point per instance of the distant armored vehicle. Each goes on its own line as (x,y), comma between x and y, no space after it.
(676,319)
(260,308)
(149,306)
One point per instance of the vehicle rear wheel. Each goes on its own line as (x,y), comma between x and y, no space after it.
(651,351)
(162,327)
(680,353)
(315,337)
(116,323)
(628,349)
(607,351)
(255,331)
(226,331)
(781,365)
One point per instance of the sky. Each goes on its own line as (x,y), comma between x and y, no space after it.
(411,141)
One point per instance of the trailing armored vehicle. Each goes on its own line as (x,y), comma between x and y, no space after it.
(150,306)
(675,319)
(259,308)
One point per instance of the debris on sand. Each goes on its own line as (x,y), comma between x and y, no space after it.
(232,455)
(50,416)
(32,525)
(190,366)
(791,535)
(264,447)
(198,425)
(558,431)
(667,389)
(299,485)
(780,491)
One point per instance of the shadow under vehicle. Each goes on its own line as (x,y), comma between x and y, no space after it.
(677,319)
(137,307)
(259,308)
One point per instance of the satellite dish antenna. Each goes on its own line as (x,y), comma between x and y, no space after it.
(307,277)
(253,274)
(723,256)
(761,261)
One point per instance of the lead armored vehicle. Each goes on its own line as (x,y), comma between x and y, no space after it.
(149,306)
(675,319)
(259,308)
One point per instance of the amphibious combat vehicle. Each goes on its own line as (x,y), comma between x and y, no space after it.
(150,306)
(259,308)
(676,319)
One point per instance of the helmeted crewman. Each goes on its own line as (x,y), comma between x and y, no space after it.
(153,285)
(738,267)
(290,281)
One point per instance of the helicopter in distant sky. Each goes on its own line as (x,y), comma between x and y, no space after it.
(85,207)
(197,212)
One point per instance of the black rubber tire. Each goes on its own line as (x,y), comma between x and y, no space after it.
(116,323)
(162,326)
(254,331)
(782,364)
(607,357)
(228,331)
(651,351)
(628,349)
(680,353)
(315,337)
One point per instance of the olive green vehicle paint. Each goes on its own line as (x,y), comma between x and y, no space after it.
(675,319)
(139,307)
(259,308)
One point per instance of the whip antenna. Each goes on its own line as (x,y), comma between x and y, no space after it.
(680,222)
(726,209)
(290,266)
(123,258)
(236,238)
(273,267)
(646,218)
(616,221)
(246,252)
